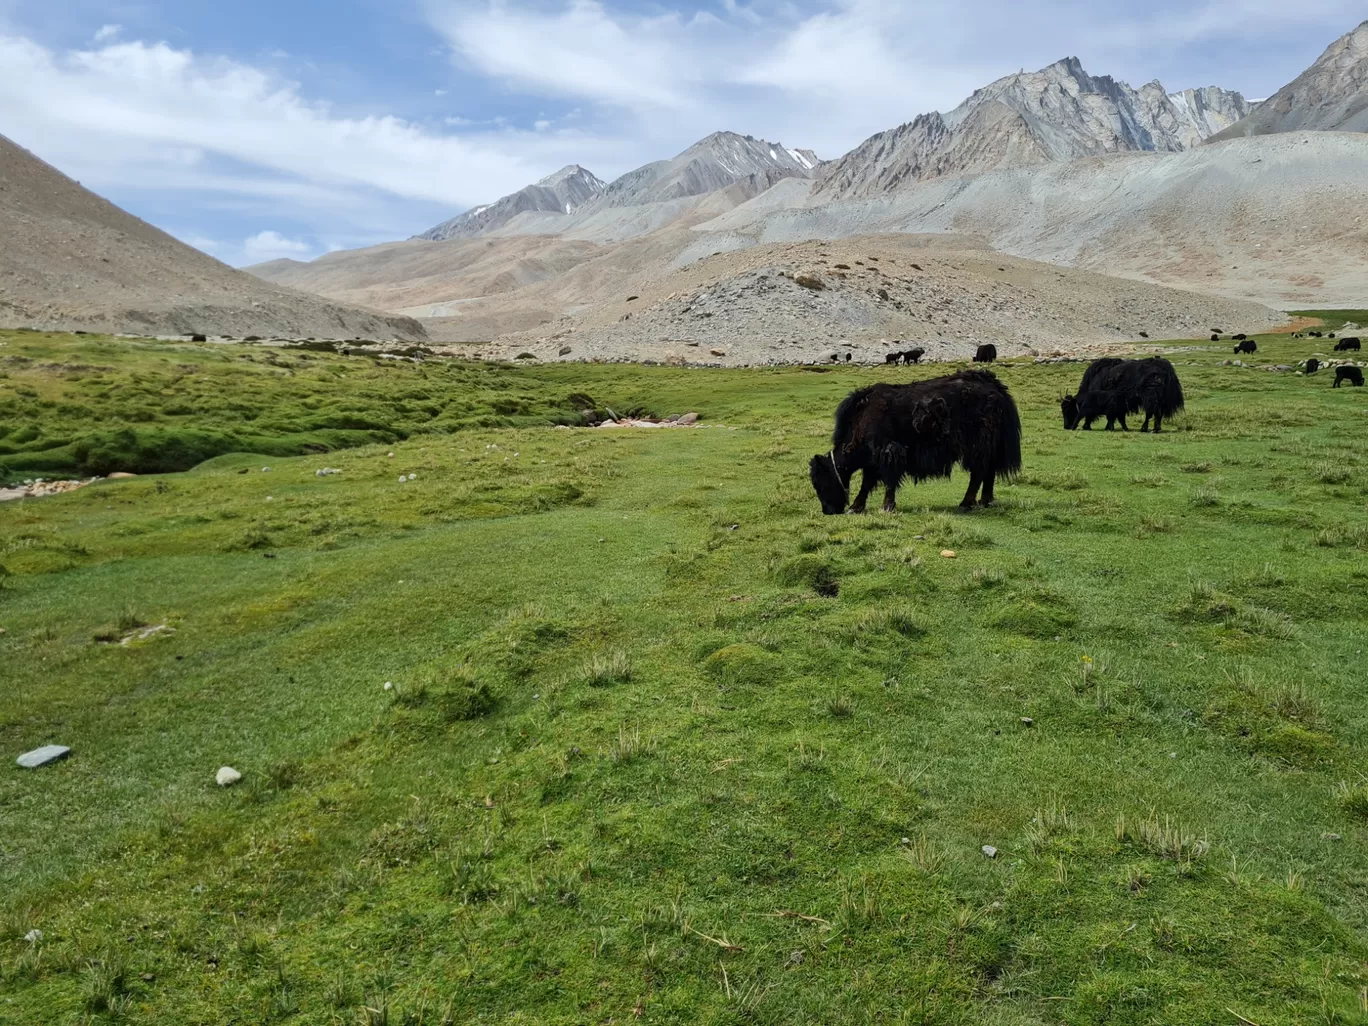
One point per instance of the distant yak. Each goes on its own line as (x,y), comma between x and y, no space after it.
(1346,344)
(1240,337)
(920,430)
(987,353)
(1247,346)
(1350,374)
(1113,388)
(1312,365)
(913,355)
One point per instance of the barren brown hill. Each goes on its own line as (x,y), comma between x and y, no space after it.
(801,302)
(73,261)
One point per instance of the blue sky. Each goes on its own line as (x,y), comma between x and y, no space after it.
(265,128)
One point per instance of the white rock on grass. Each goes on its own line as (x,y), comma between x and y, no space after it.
(227,776)
(43,756)
(34,936)
(990,851)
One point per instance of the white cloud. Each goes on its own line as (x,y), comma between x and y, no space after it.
(108,33)
(271,245)
(129,105)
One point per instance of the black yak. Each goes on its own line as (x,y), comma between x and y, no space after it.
(1312,365)
(1247,346)
(913,355)
(1348,373)
(1346,344)
(987,353)
(1240,337)
(1113,388)
(1215,338)
(892,357)
(1314,334)
(921,430)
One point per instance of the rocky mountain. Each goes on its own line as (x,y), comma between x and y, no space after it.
(74,261)
(722,160)
(562,193)
(1330,96)
(1055,114)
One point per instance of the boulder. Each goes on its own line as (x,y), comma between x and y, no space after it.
(43,756)
(227,776)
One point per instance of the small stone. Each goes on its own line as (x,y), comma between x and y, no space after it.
(906,840)
(687,419)
(990,851)
(148,978)
(389,685)
(265,470)
(227,776)
(718,352)
(1331,837)
(413,477)
(948,553)
(33,936)
(391,456)
(1026,721)
(564,350)
(402,478)
(43,756)
(796,958)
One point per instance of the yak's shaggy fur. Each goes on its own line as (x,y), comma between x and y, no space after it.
(921,430)
(1113,388)
(1350,374)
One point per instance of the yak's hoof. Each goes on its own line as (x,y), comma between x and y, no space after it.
(853,512)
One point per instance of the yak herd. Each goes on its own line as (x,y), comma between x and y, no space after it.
(923,429)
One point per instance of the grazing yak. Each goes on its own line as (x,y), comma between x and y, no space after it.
(1348,373)
(1247,346)
(920,430)
(1312,365)
(1346,344)
(1215,338)
(1114,388)
(1240,337)
(987,353)
(892,358)
(913,355)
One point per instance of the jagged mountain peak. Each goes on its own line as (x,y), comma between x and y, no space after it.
(571,171)
(561,193)
(1060,112)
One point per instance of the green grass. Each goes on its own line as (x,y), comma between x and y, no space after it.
(1333,320)
(661,741)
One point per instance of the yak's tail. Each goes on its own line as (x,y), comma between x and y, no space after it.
(1173,393)
(845,416)
(1007,452)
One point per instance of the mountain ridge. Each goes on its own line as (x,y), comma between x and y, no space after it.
(1329,96)
(1060,112)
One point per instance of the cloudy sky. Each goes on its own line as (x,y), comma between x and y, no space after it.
(265,128)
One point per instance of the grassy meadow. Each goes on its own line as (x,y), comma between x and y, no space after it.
(611,726)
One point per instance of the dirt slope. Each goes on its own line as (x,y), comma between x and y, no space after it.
(1278,220)
(798,302)
(71,260)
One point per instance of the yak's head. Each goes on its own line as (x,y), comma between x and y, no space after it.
(831,490)
(1069,407)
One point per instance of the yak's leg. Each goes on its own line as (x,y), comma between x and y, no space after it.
(890,503)
(1111,422)
(1122,419)
(867,484)
(971,496)
(1158,422)
(988,480)
(1144,428)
